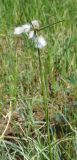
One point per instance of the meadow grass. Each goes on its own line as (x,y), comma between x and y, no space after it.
(26,135)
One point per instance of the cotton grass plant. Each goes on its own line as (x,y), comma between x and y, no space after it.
(31,30)
(19,80)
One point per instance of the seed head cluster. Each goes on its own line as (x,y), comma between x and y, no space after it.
(31,30)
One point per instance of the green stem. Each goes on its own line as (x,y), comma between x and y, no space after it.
(50,25)
(44,92)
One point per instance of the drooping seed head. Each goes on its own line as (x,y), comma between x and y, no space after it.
(26,28)
(18,30)
(35,24)
(40,42)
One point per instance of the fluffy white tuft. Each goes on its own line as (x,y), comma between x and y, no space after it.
(35,24)
(40,42)
(18,30)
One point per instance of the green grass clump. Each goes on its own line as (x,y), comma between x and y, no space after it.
(26,136)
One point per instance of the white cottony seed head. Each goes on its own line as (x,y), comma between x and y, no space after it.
(22,29)
(35,24)
(18,30)
(40,42)
(31,35)
(31,31)
(26,28)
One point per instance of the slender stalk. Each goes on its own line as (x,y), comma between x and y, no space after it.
(50,25)
(44,92)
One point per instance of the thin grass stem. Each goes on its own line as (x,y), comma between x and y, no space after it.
(44,92)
